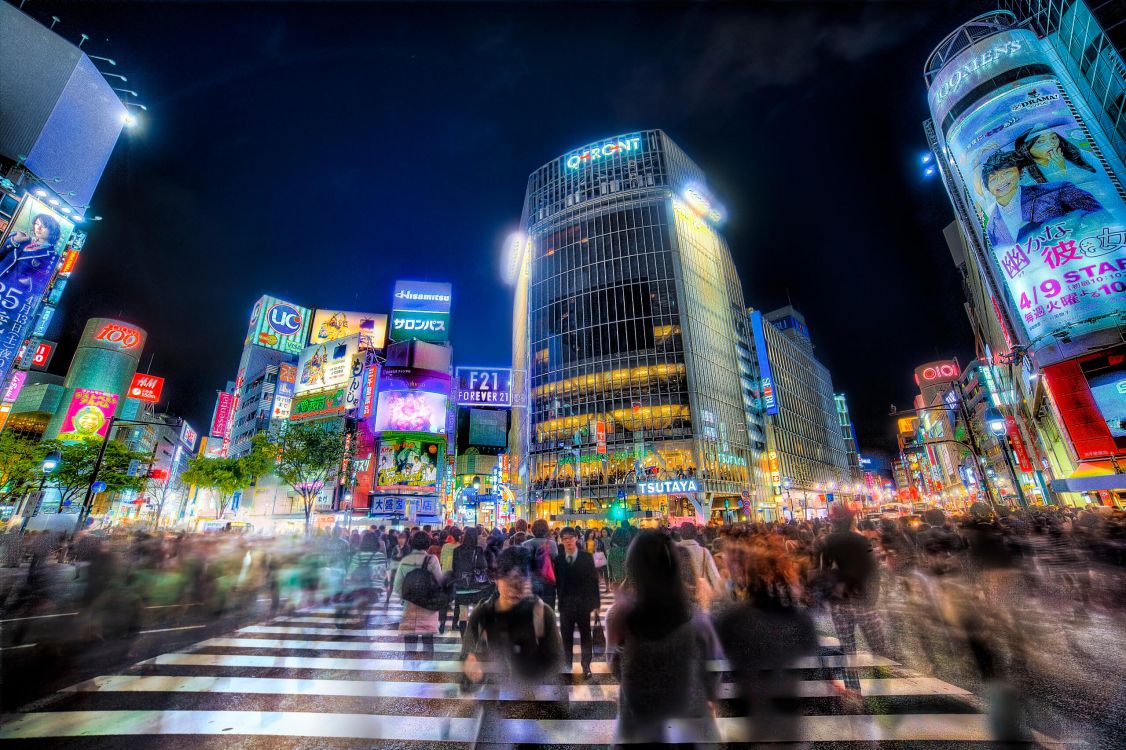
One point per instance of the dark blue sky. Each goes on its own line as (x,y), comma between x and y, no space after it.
(319,151)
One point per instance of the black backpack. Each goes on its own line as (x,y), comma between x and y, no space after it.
(422,589)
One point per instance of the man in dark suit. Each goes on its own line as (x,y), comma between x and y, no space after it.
(576,585)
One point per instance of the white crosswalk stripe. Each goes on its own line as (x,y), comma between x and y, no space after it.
(354,679)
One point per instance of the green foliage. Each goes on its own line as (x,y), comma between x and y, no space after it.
(225,476)
(308,455)
(75,472)
(21,461)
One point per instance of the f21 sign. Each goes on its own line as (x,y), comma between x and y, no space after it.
(484,386)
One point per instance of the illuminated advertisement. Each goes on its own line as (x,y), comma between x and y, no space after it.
(326,365)
(668,487)
(277,324)
(88,416)
(423,326)
(409,464)
(15,385)
(1109,391)
(484,385)
(29,251)
(188,436)
(605,150)
(370,380)
(330,325)
(44,352)
(411,411)
(1055,225)
(282,407)
(313,405)
(221,420)
(769,396)
(113,335)
(146,387)
(287,380)
(422,296)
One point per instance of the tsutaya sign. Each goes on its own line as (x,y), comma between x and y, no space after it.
(668,487)
(604,151)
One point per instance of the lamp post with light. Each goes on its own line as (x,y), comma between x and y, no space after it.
(996,423)
(50,463)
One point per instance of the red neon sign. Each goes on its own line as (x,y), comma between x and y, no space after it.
(146,387)
(123,336)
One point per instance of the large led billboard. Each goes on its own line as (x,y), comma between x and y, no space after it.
(408,464)
(330,325)
(326,365)
(88,416)
(29,251)
(277,324)
(488,427)
(1053,222)
(321,404)
(1109,391)
(411,411)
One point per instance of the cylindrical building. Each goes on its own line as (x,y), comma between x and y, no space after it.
(99,376)
(627,394)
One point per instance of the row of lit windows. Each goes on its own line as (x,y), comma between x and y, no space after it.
(644,376)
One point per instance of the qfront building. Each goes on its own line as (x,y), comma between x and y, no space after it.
(1032,160)
(627,394)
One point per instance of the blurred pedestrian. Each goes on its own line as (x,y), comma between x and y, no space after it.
(576,582)
(420,616)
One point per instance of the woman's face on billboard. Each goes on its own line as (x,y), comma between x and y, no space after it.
(1045,143)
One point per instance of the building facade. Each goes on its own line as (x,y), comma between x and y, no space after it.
(626,321)
(1026,132)
(848,432)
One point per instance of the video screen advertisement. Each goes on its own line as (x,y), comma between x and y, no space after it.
(409,463)
(277,324)
(1088,396)
(1053,221)
(29,252)
(326,365)
(330,325)
(483,429)
(412,400)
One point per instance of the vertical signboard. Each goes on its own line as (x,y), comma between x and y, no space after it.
(29,252)
(769,396)
(221,420)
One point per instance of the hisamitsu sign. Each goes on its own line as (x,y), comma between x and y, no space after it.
(490,386)
(668,487)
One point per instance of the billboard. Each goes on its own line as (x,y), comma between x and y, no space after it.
(1054,224)
(15,385)
(326,365)
(484,385)
(29,251)
(488,427)
(409,464)
(287,380)
(422,296)
(44,352)
(769,396)
(146,387)
(1109,391)
(188,436)
(221,419)
(411,411)
(330,325)
(325,404)
(88,416)
(277,324)
(423,326)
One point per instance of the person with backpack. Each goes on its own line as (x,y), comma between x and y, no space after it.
(470,571)
(544,551)
(421,584)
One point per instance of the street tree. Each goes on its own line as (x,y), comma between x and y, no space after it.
(162,489)
(224,475)
(75,472)
(21,461)
(309,455)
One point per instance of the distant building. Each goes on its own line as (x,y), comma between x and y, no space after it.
(849,434)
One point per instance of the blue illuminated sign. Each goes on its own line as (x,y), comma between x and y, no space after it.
(769,396)
(604,150)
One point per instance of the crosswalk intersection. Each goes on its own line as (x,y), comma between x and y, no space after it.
(306,679)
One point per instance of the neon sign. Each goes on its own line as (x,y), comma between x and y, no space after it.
(123,336)
(941,371)
(604,151)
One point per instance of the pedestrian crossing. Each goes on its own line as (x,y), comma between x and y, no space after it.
(354,680)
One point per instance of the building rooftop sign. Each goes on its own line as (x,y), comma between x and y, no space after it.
(604,150)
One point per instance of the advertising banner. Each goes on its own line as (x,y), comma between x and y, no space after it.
(411,411)
(422,296)
(1108,388)
(188,436)
(363,463)
(330,325)
(370,380)
(355,384)
(1055,225)
(769,397)
(277,324)
(88,416)
(222,417)
(15,385)
(146,387)
(318,405)
(484,385)
(408,463)
(326,365)
(282,407)
(29,251)
(44,353)
(287,380)
(1018,443)
(423,326)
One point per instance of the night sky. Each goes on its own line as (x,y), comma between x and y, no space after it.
(318,152)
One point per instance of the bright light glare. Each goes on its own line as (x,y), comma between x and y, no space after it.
(929,171)
(41,193)
(926,158)
(129,120)
(54,201)
(514,247)
(65,210)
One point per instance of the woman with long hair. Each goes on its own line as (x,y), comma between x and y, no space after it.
(660,649)
(1050,157)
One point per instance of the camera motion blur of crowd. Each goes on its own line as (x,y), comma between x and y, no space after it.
(706,622)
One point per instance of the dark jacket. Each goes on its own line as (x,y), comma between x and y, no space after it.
(1040,203)
(576,585)
(509,641)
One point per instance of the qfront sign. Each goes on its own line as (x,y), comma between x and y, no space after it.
(668,487)
(484,385)
(604,150)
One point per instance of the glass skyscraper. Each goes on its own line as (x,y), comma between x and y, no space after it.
(629,401)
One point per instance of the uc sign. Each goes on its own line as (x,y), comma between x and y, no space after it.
(284,318)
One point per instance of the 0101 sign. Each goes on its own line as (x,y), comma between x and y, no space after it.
(484,386)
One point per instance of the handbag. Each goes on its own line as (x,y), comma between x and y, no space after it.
(598,633)
(599,559)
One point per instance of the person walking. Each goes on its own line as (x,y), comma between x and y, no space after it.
(419,622)
(544,551)
(660,649)
(576,585)
(470,570)
(700,573)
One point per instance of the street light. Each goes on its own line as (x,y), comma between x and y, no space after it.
(50,463)
(997,425)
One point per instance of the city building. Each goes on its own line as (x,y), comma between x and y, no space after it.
(849,435)
(807,457)
(1021,110)
(628,400)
